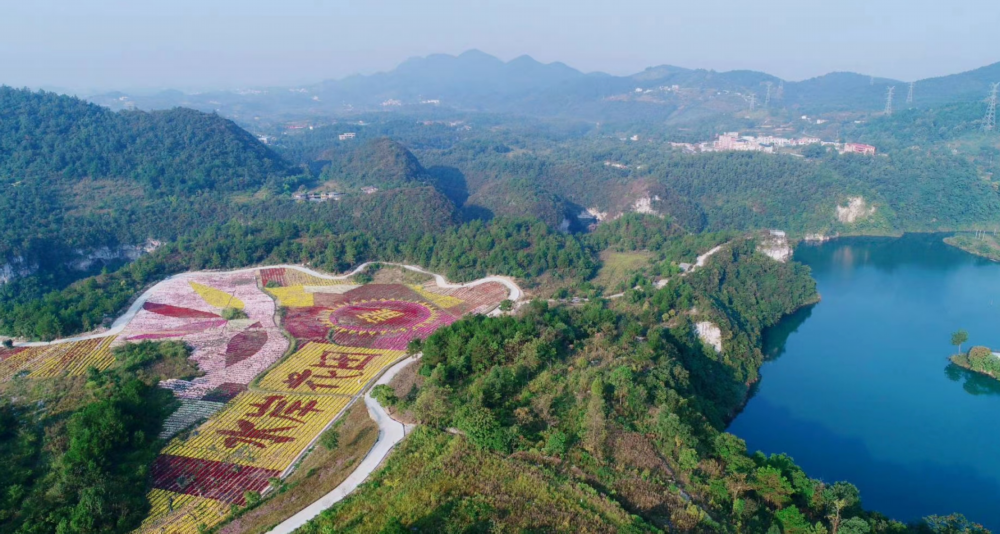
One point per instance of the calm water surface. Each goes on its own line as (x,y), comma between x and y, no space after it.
(859,387)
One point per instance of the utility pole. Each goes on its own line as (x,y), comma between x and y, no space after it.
(990,120)
(909,95)
(888,99)
(767,97)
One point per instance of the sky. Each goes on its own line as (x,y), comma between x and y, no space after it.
(100,45)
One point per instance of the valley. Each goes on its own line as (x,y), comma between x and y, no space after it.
(197,303)
(301,350)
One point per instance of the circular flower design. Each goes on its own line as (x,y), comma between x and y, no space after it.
(379,317)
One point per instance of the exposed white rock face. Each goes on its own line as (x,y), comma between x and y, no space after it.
(597,214)
(775,245)
(817,237)
(123,252)
(709,334)
(645,205)
(564,226)
(15,268)
(855,210)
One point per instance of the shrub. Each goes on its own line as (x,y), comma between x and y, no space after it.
(230,314)
(330,439)
(385,395)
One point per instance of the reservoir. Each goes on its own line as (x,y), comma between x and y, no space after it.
(859,388)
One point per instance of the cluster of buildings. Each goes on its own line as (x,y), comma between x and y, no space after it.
(346,135)
(733,141)
(750,143)
(317,197)
(323,196)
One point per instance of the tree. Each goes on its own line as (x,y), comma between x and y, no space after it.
(385,395)
(958,338)
(772,486)
(414,347)
(506,305)
(8,343)
(836,498)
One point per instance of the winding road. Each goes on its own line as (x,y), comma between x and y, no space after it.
(390,432)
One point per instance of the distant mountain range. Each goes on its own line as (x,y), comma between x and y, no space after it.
(476,81)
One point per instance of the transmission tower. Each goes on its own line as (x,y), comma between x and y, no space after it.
(780,93)
(767,96)
(909,95)
(872,80)
(888,99)
(752,99)
(990,120)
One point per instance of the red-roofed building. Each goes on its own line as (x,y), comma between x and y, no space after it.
(858,148)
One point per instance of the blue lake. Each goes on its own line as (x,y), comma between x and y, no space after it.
(859,387)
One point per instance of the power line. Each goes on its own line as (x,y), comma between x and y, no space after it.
(888,99)
(990,120)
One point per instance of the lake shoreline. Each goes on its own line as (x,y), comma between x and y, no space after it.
(856,389)
(962,360)
(988,247)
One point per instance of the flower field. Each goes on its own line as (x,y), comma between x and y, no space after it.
(48,361)
(328,368)
(260,429)
(346,335)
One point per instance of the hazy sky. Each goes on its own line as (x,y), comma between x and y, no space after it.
(128,44)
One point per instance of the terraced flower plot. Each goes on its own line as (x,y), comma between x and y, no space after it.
(256,413)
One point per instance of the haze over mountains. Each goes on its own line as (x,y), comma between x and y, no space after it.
(476,81)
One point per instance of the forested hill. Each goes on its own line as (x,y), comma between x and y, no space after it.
(381,163)
(75,177)
(180,151)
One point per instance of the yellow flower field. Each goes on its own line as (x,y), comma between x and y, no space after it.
(179,513)
(326,368)
(260,429)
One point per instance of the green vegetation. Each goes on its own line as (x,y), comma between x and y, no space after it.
(82,465)
(959,337)
(515,247)
(230,314)
(604,417)
(985,245)
(385,395)
(616,268)
(981,360)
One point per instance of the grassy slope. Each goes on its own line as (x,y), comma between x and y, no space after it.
(455,487)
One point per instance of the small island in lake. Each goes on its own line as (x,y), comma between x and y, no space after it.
(981,244)
(980,360)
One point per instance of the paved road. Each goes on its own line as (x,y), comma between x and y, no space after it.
(390,432)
